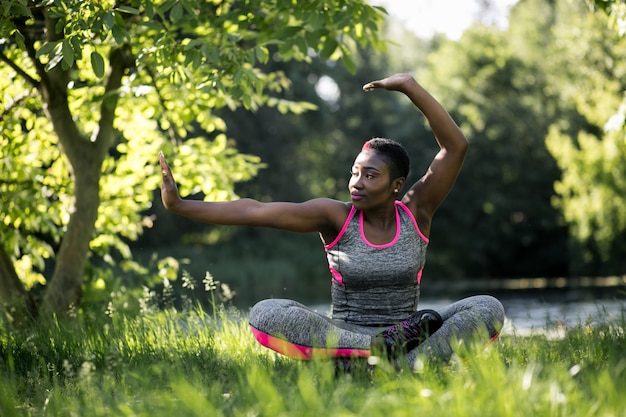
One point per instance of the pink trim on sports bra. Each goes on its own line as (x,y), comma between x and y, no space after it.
(419,276)
(336,275)
(351,214)
(383,246)
(343,229)
(417,228)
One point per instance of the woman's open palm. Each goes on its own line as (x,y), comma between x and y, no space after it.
(169,190)
(396,82)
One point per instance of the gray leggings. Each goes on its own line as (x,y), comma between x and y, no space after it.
(297,331)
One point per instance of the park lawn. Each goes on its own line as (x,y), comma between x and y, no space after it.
(168,363)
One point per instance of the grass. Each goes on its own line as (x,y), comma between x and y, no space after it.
(171,363)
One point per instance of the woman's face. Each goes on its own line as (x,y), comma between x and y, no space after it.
(370,184)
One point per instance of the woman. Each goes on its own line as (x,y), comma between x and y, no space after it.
(375,246)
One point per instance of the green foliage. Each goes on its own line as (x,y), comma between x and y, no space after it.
(114,83)
(557,67)
(591,147)
(188,363)
(34,187)
(616,9)
(591,192)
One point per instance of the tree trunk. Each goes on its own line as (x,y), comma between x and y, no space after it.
(17,303)
(65,288)
(85,157)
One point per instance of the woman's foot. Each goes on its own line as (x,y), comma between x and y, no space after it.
(406,335)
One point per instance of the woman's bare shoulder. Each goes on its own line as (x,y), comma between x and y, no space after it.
(336,212)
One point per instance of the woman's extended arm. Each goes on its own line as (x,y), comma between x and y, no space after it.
(311,216)
(425,196)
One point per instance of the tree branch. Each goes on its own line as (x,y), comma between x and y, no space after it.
(121,59)
(16,101)
(29,44)
(30,80)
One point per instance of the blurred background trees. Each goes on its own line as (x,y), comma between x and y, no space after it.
(591,192)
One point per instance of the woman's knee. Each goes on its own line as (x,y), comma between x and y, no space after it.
(267,310)
(483,308)
(494,313)
(495,306)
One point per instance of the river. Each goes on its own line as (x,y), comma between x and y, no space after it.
(526,315)
(545,307)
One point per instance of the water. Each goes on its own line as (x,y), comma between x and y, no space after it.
(526,315)
(549,306)
(548,312)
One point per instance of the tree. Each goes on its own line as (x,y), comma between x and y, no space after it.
(556,73)
(93,89)
(616,9)
(591,78)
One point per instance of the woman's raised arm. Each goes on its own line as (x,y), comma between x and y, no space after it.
(425,196)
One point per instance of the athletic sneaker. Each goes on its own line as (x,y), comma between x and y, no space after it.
(406,335)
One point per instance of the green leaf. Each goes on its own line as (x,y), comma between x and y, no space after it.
(149,10)
(176,13)
(168,5)
(19,39)
(349,63)
(238,75)
(247,101)
(193,58)
(128,9)
(119,19)
(153,24)
(259,85)
(313,38)
(77,47)
(68,53)
(287,32)
(329,47)
(58,28)
(262,54)
(108,20)
(46,48)
(97,63)
(250,56)
(194,43)
(120,34)
(54,60)
(301,44)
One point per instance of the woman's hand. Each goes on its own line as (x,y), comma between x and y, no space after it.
(397,82)
(169,191)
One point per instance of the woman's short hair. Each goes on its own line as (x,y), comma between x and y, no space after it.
(393,153)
